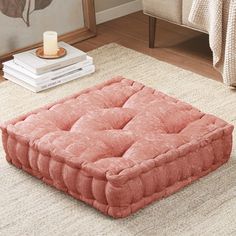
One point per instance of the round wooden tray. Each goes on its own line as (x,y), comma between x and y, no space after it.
(60,53)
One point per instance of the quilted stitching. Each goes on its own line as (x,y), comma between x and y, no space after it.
(118,146)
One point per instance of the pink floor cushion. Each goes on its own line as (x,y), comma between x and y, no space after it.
(118,146)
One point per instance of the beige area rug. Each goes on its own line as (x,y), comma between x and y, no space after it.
(207,207)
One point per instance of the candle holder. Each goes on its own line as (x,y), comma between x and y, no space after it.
(60,53)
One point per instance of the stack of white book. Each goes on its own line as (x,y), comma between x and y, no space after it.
(36,74)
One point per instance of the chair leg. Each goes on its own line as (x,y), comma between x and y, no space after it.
(152,31)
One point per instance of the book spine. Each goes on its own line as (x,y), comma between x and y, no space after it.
(90,70)
(63,71)
(70,73)
(50,76)
(58,65)
(21,83)
(18,62)
(20,76)
(12,66)
(68,78)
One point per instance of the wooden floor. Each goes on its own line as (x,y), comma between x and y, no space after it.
(176,45)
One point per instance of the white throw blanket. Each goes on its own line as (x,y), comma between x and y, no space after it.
(218,18)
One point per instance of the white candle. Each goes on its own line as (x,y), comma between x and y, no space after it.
(50,46)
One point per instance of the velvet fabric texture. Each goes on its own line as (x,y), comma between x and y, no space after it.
(118,146)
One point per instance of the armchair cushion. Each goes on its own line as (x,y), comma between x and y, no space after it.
(187,4)
(169,10)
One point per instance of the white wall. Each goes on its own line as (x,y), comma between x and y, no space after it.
(111,9)
(58,16)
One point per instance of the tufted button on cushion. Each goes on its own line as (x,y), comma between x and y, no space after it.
(118,146)
(103,119)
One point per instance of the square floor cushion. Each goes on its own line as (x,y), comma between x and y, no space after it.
(118,146)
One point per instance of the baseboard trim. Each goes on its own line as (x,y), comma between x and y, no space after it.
(119,11)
